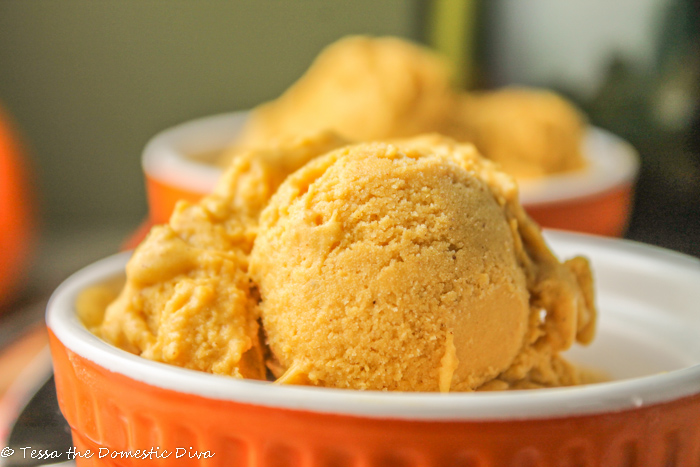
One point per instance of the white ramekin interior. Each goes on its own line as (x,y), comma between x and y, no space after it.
(649,322)
(612,162)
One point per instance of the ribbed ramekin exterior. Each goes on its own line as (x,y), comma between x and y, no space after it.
(118,414)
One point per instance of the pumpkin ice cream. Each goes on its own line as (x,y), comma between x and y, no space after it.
(529,133)
(363,89)
(188,300)
(405,265)
(372,89)
(411,266)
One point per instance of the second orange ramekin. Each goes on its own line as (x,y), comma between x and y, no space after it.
(596,200)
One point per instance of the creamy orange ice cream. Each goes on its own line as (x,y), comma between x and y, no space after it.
(407,266)
(528,132)
(188,300)
(411,266)
(369,89)
(363,89)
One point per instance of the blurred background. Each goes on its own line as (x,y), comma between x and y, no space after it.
(84,85)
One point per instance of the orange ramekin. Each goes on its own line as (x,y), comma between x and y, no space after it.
(596,200)
(117,403)
(170,170)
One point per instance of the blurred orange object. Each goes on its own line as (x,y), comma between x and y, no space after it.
(162,198)
(604,214)
(16,211)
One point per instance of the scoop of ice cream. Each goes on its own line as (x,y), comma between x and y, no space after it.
(410,266)
(530,133)
(405,266)
(363,89)
(188,299)
(370,89)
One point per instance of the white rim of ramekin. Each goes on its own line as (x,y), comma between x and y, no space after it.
(164,155)
(612,162)
(509,405)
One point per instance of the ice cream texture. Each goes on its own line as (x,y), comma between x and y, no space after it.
(368,89)
(362,88)
(188,300)
(406,265)
(530,133)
